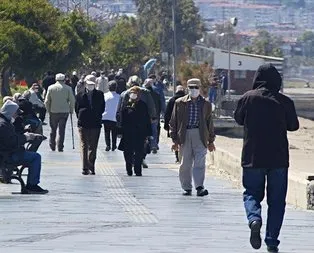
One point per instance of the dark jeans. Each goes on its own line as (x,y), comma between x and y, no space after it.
(57,120)
(133,154)
(254,183)
(89,143)
(110,129)
(32,161)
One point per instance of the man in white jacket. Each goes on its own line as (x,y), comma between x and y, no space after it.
(109,116)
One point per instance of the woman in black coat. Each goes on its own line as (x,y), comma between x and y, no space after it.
(135,128)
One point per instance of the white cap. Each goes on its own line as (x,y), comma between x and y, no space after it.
(94,73)
(74,73)
(60,77)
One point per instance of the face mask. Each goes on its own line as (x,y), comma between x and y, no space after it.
(102,76)
(90,87)
(133,96)
(194,93)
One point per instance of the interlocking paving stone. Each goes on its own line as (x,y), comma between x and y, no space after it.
(114,213)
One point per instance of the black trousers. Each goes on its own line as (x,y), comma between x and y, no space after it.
(110,129)
(133,154)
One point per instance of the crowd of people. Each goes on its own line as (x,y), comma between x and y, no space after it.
(132,109)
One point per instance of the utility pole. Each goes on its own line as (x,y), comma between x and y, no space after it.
(174,68)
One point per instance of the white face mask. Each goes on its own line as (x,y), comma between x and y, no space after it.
(90,87)
(194,93)
(133,96)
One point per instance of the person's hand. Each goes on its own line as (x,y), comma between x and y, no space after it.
(175,147)
(29,136)
(211,147)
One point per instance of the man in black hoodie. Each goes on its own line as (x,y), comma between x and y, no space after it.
(266,115)
(179,93)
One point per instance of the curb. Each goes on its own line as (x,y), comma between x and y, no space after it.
(300,189)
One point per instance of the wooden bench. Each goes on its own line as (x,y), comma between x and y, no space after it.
(9,171)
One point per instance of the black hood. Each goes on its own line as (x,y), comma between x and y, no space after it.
(268,77)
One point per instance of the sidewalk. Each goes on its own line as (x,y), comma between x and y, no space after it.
(111,212)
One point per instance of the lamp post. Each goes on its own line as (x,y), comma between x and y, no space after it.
(233,22)
(174,69)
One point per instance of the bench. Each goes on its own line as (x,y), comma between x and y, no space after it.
(9,171)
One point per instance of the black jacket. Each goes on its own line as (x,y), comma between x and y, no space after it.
(89,116)
(266,115)
(170,107)
(136,121)
(10,141)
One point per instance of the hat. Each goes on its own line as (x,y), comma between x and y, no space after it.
(90,79)
(93,73)
(60,77)
(193,82)
(74,73)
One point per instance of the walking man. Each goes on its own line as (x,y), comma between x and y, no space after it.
(192,131)
(266,115)
(89,107)
(109,118)
(102,82)
(59,103)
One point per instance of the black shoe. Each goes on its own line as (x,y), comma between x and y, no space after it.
(187,193)
(144,164)
(255,239)
(272,249)
(138,174)
(44,123)
(35,189)
(85,172)
(92,172)
(107,148)
(114,148)
(201,192)
(60,150)
(154,150)
(52,148)
(129,172)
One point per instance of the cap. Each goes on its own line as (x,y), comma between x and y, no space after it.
(90,79)
(60,77)
(193,82)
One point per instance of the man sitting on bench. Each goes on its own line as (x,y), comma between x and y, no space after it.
(13,143)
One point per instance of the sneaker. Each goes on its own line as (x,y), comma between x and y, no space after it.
(144,164)
(107,148)
(255,238)
(201,191)
(272,249)
(35,189)
(187,193)
(85,172)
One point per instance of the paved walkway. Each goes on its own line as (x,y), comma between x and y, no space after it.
(111,212)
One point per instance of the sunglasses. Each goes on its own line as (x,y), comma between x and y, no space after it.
(193,87)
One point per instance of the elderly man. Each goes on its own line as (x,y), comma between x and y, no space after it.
(89,107)
(191,130)
(12,143)
(59,103)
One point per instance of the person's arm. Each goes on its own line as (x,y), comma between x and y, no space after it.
(122,102)
(210,127)
(239,114)
(173,124)
(48,100)
(71,100)
(150,104)
(291,117)
(168,113)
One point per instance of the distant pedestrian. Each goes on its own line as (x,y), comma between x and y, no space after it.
(48,80)
(102,83)
(89,107)
(109,118)
(192,132)
(74,81)
(59,103)
(180,92)
(266,115)
(135,129)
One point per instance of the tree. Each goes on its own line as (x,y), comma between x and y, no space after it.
(35,37)
(307,40)
(265,44)
(123,47)
(156,17)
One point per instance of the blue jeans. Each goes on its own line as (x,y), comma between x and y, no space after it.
(32,161)
(213,95)
(277,184)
